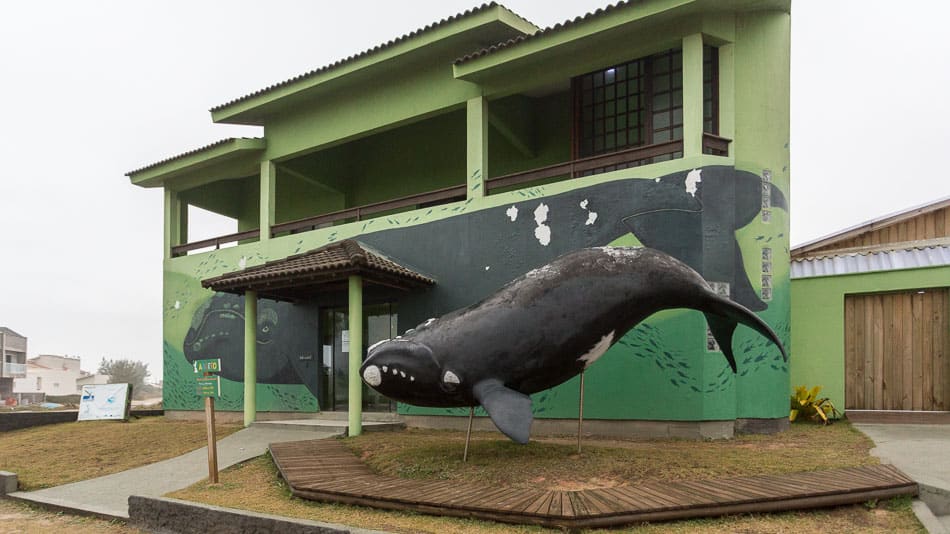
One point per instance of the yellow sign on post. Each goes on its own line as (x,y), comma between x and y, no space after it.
(209,387)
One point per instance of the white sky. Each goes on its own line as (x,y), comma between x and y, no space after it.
(91,90)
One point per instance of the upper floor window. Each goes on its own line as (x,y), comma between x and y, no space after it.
(639,103)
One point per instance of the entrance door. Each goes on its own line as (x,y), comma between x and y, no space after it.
(379,323)
(897,351)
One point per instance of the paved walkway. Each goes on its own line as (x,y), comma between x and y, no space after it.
(921,451)
(109,495)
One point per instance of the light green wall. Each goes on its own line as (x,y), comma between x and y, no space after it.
(818,321)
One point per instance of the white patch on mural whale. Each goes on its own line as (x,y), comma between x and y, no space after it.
(693,178)
(543,232)
(591,217)
(512,213)
(242,263)
(584,204)
(597,350)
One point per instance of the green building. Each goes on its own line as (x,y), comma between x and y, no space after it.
(871,316)
(418,177)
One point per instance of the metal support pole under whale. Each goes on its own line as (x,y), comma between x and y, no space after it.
(543,328)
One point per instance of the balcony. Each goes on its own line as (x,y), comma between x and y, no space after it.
(14,370)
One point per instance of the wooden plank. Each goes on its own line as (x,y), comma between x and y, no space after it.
(853,372)
(867,347)
(638,495)
(930,225)
(907,352)
(878,329)
(887,320)
(941,330)
(926,357)
(918,310)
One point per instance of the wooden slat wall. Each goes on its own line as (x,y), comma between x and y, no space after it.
(932,225)
(897,351)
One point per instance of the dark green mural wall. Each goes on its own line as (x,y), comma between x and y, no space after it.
(711,218)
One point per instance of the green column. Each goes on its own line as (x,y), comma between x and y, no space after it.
(356,355)
(268,198)
(692,95)
(250,357)
(476,155)
(176,221)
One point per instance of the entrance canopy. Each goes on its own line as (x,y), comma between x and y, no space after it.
(327,268)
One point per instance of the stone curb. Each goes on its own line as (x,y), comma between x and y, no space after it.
(8,483)
(927,518)
(161,515)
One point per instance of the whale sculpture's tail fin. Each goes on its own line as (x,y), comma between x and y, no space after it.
(723,315)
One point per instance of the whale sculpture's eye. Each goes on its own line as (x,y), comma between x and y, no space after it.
(450,381)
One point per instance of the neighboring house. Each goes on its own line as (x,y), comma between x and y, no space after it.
(870,317)
(50,374)
(91,379)
(12,360)
(419,176)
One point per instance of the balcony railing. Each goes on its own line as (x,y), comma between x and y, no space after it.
(15,370)
(216,242)
(712,144)
(430,198)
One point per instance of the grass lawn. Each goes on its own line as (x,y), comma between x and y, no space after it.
(24,518)
(554,464)
(51,455)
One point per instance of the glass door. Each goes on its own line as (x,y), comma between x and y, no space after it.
(379,323)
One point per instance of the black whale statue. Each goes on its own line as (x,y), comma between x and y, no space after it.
(543,328)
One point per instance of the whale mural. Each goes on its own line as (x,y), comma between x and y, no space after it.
(543,328)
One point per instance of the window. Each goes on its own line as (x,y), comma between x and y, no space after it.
(635,104)
(39,383)
(640,103)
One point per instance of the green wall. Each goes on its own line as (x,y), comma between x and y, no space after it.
(818,321)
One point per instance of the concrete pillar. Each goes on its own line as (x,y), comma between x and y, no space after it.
(356,356)
(268,198)
(250,357)
(692,95)
(476,154)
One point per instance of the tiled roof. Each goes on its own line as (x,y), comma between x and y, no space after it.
(368,52)
(834,264)
(190,152)
(547,31)
(333,261)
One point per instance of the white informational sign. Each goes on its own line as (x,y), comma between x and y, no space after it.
(104,401)
(346,341)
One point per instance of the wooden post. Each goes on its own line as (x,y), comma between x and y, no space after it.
(580,415)
(468,435)
(212,442)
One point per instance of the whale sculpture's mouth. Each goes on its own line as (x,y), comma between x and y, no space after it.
(400,368)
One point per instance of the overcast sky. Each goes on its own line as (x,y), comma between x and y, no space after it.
(91,90)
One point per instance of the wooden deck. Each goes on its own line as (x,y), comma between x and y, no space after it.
(325,470)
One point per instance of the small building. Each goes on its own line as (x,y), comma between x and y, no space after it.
(870,316)
(12,360)
(421,175)
(91,379)
(50,374)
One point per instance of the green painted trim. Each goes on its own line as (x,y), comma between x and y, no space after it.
(229,153)
(268,209)
(548,41)
(693,95)
(250,357)
(817,311)
(727,91)
(476,150)
(246,110)
(355,312)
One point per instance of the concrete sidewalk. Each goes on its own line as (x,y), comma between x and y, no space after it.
(921,451)
(109,495)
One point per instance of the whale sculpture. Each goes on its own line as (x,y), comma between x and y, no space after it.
(543,328)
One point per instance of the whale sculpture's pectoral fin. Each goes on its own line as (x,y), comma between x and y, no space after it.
(508,409)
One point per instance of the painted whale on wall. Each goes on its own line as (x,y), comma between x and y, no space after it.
(543,328)
(286,340)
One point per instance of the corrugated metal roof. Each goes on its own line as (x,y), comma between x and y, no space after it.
(10,332)
(546,31)
(190,152)
(867,262)
(375,49)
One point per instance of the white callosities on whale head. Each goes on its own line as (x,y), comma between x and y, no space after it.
(405,370)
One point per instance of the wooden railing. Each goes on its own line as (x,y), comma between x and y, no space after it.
(216,242)
(712,144)
(439,196)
